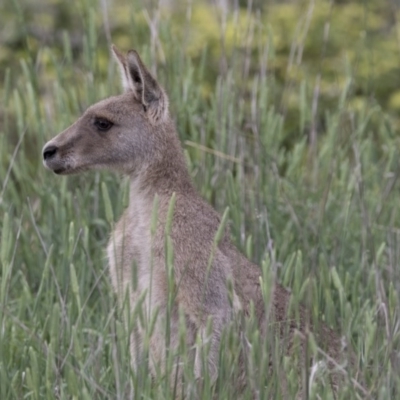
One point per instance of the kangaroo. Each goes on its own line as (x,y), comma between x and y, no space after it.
(133,133)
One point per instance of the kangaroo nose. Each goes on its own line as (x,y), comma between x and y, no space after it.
(49,152)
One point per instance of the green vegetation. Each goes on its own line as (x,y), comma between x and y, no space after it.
(294,129)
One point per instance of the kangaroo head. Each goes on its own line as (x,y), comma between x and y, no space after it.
(122,132)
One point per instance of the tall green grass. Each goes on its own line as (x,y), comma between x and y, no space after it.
(322,217)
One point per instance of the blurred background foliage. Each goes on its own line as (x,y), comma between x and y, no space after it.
(324,42)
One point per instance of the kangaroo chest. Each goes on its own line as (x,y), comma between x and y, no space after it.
(130,256)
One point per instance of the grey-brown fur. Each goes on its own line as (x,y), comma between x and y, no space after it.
(143,143)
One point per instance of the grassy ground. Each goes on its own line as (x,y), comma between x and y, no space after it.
(324,207)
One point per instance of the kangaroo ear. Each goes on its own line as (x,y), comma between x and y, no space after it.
(144,84)
(121,61)
(136,77)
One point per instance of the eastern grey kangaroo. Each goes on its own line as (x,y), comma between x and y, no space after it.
(133,133)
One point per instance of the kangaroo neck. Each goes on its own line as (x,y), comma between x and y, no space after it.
(162,180)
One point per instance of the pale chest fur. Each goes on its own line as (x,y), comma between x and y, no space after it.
(129,254)
(135,273)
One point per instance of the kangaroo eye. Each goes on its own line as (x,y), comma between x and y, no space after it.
(103,124)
